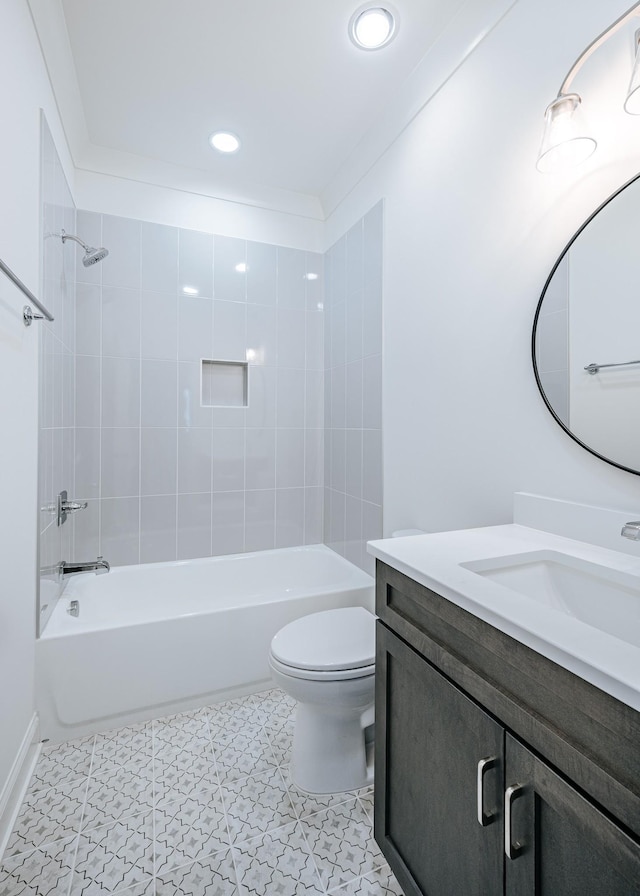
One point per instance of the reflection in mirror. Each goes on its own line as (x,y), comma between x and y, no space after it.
(589,314)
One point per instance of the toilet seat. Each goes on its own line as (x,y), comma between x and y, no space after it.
(320,675)
(333,644)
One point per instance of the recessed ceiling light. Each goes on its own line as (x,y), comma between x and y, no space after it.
(242,267)
(310,276)
(372,27)
(224,141)
(189,290)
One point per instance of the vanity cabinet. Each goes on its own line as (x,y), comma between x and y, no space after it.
(492,773)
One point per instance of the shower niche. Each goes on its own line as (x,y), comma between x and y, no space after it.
(224,384)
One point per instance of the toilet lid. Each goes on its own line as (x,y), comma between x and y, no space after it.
(331,640)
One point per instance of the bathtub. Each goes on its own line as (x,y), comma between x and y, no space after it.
(154,639)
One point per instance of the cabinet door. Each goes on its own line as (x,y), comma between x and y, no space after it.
(562,845)
(430,738)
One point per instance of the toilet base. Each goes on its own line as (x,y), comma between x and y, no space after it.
(330,750)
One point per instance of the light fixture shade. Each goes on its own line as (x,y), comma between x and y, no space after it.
(632,102)
(566,141)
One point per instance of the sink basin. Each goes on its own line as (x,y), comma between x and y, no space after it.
(607,599)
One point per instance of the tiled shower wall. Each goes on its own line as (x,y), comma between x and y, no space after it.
(165,477)
(56,365)
(353,390)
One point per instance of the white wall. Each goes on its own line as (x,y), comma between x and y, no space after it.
(471,232)
(24,89)
(605,321)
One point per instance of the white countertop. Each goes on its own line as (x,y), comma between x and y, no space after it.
(434,560)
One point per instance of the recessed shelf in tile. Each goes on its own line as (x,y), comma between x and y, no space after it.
(224,384)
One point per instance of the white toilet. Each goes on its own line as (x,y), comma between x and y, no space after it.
(326,661)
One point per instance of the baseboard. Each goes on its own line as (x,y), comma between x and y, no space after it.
(17,782)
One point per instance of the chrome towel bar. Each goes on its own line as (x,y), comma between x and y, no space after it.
(594,368)
(27,314)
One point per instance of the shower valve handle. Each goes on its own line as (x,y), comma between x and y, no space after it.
(64,506)
(73,506)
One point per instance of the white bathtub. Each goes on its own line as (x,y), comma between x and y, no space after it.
(165,637)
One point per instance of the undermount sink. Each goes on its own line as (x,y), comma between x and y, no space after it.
(604,598)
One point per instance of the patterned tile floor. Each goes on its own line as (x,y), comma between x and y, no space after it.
(198,804)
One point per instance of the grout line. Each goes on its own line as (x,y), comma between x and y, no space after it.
(224,808)
(80,826)
(140,402)
(154,802)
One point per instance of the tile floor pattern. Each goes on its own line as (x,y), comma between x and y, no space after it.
(198,804)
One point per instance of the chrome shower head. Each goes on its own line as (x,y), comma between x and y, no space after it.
(91,255)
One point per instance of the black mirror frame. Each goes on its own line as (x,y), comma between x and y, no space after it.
(535,328)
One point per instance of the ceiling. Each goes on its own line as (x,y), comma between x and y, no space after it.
(156,77)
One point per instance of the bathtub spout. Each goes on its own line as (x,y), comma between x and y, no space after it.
(67,568)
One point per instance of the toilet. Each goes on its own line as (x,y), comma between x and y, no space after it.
(326,662)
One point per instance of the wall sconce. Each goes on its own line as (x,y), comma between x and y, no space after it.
(566,140)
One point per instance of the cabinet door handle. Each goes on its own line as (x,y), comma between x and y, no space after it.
(484,818)
(512,850)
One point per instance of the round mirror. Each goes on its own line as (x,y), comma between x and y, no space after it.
(586,333)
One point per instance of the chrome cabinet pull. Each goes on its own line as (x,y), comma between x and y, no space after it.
(512,850)
(484,818)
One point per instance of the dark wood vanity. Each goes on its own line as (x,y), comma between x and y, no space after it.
(497,770)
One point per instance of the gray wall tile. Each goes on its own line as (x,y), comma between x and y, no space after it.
(291,279)
(227,530)
(89,229)
(195,263)
(260,519)
(289,517)
(159,258)
(194,526)
(229,331)
(261,273)
(262,335)
(228,460)
(87,391)
(121,236)
(190,410)
(120,392)
(290,459)
(88,320)
(290,399)
(230,270)
(194,460)
(120,530)
(158,529)
(260,459)
(87,463)
(147,432)
(158,462)
(353,390)
(313,510)
(120,462)
(159,393)
(195,328)
(159,325)
(291,337)
(120,322)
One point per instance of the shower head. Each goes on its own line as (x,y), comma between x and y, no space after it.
(91,255)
